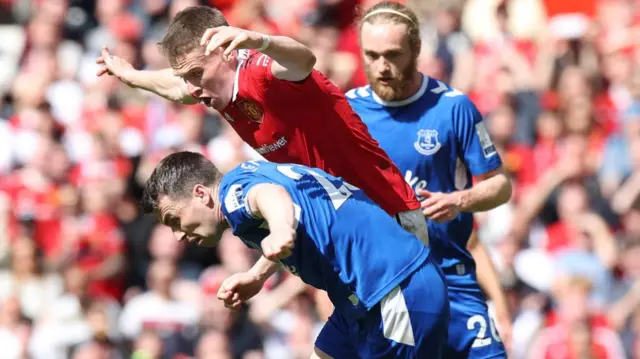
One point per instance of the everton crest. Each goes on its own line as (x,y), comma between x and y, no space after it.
(252,110)
(427,142)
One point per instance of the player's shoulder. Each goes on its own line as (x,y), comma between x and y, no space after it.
(253,59)
(236,183)
(244,171)
(445,95)
(360,95)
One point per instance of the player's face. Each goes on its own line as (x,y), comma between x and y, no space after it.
(209,78)
(196,219)
(389,61)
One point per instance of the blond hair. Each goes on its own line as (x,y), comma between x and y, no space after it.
(393,12)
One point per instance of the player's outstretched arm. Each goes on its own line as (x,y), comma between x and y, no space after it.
(161,82)
(240,287)
(293,61)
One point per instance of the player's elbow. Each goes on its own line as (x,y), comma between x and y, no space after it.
(309,62)
(505,190)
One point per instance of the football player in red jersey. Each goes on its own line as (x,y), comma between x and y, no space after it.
(267,89)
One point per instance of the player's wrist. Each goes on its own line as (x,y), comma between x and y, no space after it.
(457,200)
(264,42)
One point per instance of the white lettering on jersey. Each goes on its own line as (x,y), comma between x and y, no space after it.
(272,147)
(488,149)
(233,200)
(415,182)
(250,166)
(263,60)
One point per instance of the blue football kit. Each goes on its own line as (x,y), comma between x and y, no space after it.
(390,297)
(438,139)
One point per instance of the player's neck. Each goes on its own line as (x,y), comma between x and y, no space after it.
(412,87)
(217,207)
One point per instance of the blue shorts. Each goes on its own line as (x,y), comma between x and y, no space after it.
(472,332)
(409,322)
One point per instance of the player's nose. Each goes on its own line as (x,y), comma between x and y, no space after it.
(195,91)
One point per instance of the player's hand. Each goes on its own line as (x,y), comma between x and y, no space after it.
(114,66)
(279,243)
(229,38)
(438,206)
(238,289)
(505,330)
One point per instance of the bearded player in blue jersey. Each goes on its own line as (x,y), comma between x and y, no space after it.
(389,296)
(436,136)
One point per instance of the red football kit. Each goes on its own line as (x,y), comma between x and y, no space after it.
(310,122)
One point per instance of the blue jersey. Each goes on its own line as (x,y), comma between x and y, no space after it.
(444,144)
(345,244)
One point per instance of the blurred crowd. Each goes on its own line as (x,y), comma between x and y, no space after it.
(84,275)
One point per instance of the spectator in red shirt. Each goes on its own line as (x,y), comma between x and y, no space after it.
(575,330)
(99,247)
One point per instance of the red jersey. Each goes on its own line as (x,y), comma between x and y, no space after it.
(310,122)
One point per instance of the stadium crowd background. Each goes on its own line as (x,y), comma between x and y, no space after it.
(84,275)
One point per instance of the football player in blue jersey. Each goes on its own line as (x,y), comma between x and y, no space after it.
(436,136)
(390,297)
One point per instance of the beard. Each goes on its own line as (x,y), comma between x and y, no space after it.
(394,90)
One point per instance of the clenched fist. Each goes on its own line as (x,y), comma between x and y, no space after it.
(279,243)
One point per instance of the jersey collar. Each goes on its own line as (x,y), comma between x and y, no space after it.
(242,54)
(409,100)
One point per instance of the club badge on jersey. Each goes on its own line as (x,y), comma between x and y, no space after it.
(427,142)
(252,110)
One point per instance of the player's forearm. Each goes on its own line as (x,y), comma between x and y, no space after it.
(488,277)
(264,268)
(161,82)
(293,56)
(485,195)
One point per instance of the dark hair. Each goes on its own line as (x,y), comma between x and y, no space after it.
(408,18)
(186,29)
(176,175)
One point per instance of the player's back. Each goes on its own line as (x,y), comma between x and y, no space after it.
(310,122)
(436,123)
(345,243)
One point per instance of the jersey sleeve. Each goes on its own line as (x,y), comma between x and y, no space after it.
(256,71)
(475,145)
(234,202)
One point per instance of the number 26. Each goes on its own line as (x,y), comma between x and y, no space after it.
(481,338)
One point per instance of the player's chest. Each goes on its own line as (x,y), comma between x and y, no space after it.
(415,144)
(258,126)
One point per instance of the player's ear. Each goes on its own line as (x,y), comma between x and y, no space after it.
(418,48)
(201,193)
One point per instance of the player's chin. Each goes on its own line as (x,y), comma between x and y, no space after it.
(207,242)
(386,92)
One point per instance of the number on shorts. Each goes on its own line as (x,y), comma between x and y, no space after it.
(481,339)
(338,195)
